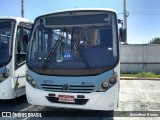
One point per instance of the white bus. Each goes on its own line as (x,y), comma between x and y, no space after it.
(14,33)
(73,60)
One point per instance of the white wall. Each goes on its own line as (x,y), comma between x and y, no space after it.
(140,58)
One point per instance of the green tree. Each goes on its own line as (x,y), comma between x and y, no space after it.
(155,41)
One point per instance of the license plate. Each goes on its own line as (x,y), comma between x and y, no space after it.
(66,98)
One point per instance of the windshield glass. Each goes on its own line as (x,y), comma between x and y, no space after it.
(77,42)
(6,29)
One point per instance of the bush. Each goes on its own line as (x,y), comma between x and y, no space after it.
(142,75)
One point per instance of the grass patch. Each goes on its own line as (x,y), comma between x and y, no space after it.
(141,75)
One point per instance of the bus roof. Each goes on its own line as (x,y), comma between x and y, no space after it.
(18,19)
(79,9)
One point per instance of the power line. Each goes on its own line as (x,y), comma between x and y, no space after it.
(141,13)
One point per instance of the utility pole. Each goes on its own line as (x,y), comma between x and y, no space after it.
(125,18)
(22,8)
(125,15)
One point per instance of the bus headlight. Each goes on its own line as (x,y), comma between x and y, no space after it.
(113,79)
(4,75)
(105,84)
(1,78)
(31,81)
(108,83)
(28,77)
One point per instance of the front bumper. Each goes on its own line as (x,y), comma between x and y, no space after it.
(93,101)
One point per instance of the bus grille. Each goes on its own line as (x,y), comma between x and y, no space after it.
(77,101)
(71,88)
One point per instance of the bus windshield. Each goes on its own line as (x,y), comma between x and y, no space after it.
(79,41)
(6,29)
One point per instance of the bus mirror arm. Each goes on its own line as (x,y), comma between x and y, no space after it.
(120,22)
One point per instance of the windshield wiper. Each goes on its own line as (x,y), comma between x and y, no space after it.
(81,54)
(52,53)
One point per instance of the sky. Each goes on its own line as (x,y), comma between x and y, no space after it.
(142,23)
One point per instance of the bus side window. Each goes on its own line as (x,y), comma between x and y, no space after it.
(25,42)
(21,45)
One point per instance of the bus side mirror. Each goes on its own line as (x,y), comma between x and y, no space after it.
(123,34)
